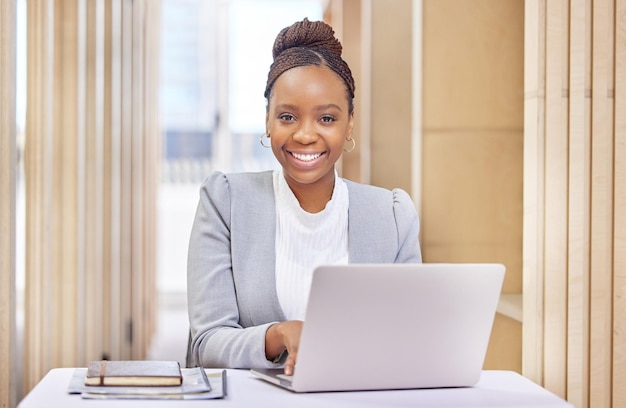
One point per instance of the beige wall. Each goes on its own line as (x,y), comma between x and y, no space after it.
(473,132)
(391,93)
(472,145)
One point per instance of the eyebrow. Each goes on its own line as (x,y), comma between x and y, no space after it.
(318,108)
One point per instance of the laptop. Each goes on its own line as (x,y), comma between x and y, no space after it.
(394,326)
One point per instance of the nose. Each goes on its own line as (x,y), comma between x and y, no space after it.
(306,133)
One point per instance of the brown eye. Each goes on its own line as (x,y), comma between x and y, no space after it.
(287,117)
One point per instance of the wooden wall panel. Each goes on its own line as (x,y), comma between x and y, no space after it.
(602,169)
(556,196)
(472,145)
(38,170)
(137,173)
(124,287)
(579,186)
(474,64)
(64,240)
(152,157)
(8,176)
(91,161)
(113,143)
(619,228)
(472,134)
(92,157)
(534,190)
(391,94)
(479,166)
(574,342)
(504,348)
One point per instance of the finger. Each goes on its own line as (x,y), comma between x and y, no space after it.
(290,364)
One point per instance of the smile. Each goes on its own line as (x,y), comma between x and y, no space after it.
(306,157)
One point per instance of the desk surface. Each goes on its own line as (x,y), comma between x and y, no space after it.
(495,389)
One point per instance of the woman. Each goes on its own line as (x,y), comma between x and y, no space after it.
(258,236)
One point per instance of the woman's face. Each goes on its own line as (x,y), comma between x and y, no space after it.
(308,123)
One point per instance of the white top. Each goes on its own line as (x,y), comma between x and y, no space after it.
(304,241)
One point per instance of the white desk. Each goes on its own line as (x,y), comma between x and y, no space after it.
(495,389)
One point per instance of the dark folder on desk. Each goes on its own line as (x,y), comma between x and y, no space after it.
(394,326)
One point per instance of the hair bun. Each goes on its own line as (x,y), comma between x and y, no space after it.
(310,34)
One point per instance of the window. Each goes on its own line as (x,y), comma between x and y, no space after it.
(214,61)
(215,57)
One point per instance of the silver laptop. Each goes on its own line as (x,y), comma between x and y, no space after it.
(394,326)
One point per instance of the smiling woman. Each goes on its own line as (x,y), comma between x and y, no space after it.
(257,237)
(308,121)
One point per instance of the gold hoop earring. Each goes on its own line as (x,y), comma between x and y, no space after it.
(352,148)
(261,140)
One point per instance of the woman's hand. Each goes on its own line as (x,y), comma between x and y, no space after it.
(284,336)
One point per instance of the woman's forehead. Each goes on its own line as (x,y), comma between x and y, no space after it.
(309,82)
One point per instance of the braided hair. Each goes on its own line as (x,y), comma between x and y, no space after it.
(309,43)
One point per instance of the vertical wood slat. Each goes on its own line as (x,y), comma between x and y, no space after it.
(103,14)
(38,172)
(83,204)
(619,229)
(100,217)
(93,158)
(8,176)
(136,179)
(556,159)
(578,203)
(601,247)
(534,145)
(65,244)
(114,90)
(85,163)
(125,181)
(59,191)
(152,142)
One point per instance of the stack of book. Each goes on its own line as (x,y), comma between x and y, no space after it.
(146,379)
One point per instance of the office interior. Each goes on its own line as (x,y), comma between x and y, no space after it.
(504,120)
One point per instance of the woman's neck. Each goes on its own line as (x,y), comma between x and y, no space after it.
(313,197)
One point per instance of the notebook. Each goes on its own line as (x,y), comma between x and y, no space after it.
(394,326)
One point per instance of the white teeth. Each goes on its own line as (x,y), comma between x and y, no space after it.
(306,157)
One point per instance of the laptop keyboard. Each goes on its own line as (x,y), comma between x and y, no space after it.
(285,377)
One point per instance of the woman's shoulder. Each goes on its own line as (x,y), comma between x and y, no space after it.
(376,194)
(227,192)
(239,181)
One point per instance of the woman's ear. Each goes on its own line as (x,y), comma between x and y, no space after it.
(350,125)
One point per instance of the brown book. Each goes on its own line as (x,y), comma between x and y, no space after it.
(134,373)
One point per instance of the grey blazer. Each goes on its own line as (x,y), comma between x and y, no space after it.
(231,287)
